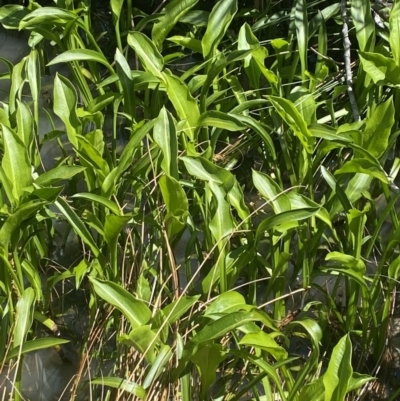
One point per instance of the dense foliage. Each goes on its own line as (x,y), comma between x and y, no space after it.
(195,183)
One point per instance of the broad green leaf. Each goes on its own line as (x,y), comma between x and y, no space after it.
(271,191)
(81,55)
(265,342)
(348,261)
(301,23)
(127,83)
(116,8)
(24,124)
(338,375)
(325,132)
(65,106)
(221,223)
(364,166)
(32,274)
(15,163)
(293,118)
(176,203)
(157,367)
(100,200)
(337,189)
(217,67)
(203,169)
(248,41)
(256,126)
(147,52)
(378,128)
(57,174)
(382,70)
(304,102)
(286,220)
(313,391)
(13,222)
(218,328)
(220,18)
(364,24)
(189,43)
(221,120)
(324,15)
(11,15)
(164,134)
(122,385)
(35,345)
(125,160)
(47,15)
(394,29)
(143,339)
(184,104)
(173,13)
(299,201)
(226,302)
(177,309)
(112,228)
(24,318)
(77,224)
(137,312)
(207,360)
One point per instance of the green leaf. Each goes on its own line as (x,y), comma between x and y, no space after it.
(175,310)
(218,328)
(394,29)
(65,106)
(221,223)
(174,12)
(364,166)
(47,16)
(137,312)
(226,302)
(378,128)
(221,120)
(15,163)
(24,318)
(338,375)
(81,55)
(24,124)
(266,342)
(125,78)
(77,225)
(293,118)
(271,191)
(220,18)
(164,133)
(35,345)
(382,70)
(324,15)
(123,385)
(147,52)
(125,160)
(189,43)
(157,367)
(58,174)
(100,200)
(185,105)
(143,339)
(203,169)
(286,220)
(364,24)
(301,23)
(299,201)
(176,203)
(13,222)
(207,360)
